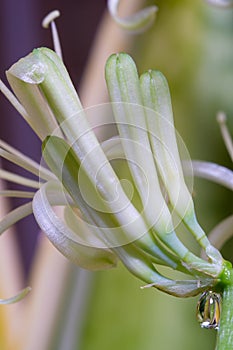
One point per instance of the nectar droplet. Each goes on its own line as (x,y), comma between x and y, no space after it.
(209,309)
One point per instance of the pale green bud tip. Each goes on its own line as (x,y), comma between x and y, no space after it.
(120,61)
(33,68)
(122,77)
(27,77)
(155,75)
(154,83)
(30,69)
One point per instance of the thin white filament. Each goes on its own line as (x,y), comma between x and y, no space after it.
(13,100)
(16,298)
(18,158)
(16,194)
(6,175)
(49,20)
(56,197)
(14,216)
(221,119)
(222,232)
(212,172)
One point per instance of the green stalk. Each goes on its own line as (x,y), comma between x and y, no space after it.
(225,333)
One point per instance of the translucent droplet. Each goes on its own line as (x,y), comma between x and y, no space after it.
(209,309)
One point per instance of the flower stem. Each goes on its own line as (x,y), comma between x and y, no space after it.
(225,334)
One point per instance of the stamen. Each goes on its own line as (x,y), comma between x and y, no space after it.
(14,216)
(222,232)
(49,20)
(17,194)
(135,23)
(21,180)
(13,100)
(210,171)
(13,155)
(221,119)
(16,298)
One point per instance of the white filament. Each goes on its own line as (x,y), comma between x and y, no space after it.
(211,171)
(221,119)
(21,180)
(13,100)
(50,20)
(16,298)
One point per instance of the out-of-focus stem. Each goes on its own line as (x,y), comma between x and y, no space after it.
(72,310)
(12,281)
(225,334)
(48,282)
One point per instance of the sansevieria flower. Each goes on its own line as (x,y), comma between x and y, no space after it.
(101,223)
(123,196)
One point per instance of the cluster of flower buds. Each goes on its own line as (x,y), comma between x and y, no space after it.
(104,218)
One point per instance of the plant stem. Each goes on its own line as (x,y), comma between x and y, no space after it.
(225,334)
